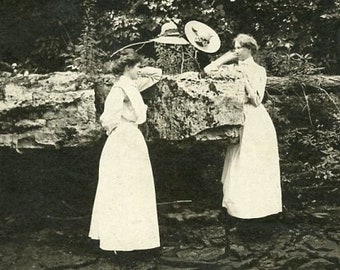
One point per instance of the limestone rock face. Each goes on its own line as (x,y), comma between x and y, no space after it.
(186,106)
(61,109)
(48,111)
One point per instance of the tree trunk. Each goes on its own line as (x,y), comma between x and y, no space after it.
(276,85)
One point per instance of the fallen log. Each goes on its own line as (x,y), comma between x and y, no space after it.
(313,83)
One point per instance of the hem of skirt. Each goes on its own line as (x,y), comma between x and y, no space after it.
(124,249)
(253,216)
(128,249)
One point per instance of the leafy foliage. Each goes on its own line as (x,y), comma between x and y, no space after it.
(35,33)
(280,61)
(175,59)
(86,55)
(308,133)
(297,38)
(47,29)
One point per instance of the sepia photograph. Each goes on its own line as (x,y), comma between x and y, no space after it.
(169,134)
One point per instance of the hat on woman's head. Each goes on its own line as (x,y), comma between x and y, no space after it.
(202,37)
(170,35)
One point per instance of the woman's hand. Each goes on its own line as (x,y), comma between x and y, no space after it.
(229,56)
(252,95)
(225,58)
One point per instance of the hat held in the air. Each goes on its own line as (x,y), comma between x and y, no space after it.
(202,37)
(170,35)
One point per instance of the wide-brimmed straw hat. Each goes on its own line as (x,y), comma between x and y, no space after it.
(170,35)
(202,37)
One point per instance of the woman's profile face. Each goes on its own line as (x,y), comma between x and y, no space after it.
(242,52)
(132,72)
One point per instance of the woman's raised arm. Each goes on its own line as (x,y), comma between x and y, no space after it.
(148,76)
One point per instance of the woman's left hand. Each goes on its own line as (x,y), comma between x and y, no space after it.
(246,82)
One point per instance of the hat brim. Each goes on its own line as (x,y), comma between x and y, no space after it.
(171,40)
(214,42)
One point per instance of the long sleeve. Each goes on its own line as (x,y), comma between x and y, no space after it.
(113,109)
(255,85)
(215,65)
(212,67)
(148,77)
(134,109)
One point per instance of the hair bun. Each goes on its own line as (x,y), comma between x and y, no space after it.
(123,59)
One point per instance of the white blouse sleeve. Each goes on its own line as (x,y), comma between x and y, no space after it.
(149,77)
(257,86)
(113,108)
(261,83)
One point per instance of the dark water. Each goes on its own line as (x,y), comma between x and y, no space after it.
(46,200)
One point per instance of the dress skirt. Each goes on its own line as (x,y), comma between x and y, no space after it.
(124,216)
(251,172)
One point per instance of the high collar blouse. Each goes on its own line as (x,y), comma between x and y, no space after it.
(124,103)
(255,74)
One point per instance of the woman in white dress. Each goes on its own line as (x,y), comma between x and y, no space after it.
(251,172)
(124,216)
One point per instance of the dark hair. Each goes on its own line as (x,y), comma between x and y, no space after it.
(247,41)
(126,58)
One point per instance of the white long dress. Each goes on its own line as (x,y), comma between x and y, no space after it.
(124,216)
(251,172)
